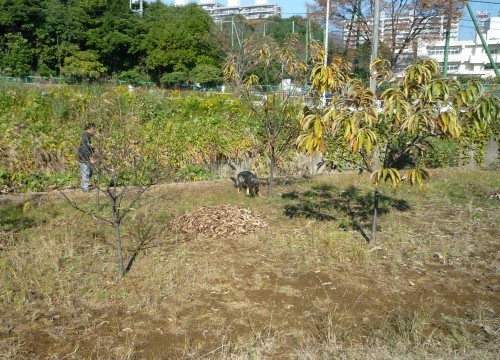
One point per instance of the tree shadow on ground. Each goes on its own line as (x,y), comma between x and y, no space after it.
(352,208)
(284,180)
(148,238)
(13,217)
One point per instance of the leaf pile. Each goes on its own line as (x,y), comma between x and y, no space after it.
(218,221)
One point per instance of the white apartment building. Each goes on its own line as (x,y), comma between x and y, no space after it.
(398,27)
(260,10)
(465,57)
(468,57)
(394,31)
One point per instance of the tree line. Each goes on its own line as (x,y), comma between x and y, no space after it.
(103,39)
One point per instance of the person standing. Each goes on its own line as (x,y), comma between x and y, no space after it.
(85,151)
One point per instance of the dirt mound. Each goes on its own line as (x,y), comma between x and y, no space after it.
(218,221)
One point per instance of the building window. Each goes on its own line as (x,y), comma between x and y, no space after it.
(489,67)
(451,67)
(440,51)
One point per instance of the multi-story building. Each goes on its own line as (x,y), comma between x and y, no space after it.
(468,57)
(397,29)
(402,32)
(260,10)
(465,57)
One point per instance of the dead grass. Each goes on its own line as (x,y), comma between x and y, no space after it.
(306,286)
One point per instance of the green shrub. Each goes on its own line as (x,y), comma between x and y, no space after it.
(442,153)
(194,173)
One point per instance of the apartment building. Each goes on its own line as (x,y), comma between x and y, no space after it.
(260,10)
(468,57)
(395,32)
(397,28)
(465,57)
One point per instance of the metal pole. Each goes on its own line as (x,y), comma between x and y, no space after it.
(327,21)
(326,31)
(374,55)
(485,45)
(237,34)
(307,49)
(446,47)
(307,39)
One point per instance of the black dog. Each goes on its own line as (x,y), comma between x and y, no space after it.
(247,180)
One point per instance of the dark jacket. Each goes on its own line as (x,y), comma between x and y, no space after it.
(85,149)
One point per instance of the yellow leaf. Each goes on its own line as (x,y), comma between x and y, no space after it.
(413,177)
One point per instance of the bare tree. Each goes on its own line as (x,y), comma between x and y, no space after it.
(124,172)
(274,111)
(405,22)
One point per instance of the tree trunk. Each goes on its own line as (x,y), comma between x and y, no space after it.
(373,239)
(119,247)
(271,173)
(97,189)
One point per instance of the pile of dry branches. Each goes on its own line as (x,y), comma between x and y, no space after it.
(218,221)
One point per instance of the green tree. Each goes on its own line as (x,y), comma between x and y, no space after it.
(20,16)
(83,65)
(16,55)
(176,37)
(136,75)
(117,38)
(63,27)
(109,39)
(415,109)
(174,78)
(204,74)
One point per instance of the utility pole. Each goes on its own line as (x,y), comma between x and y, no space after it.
(307,38)
(327,21)
(234,30)
(374,55)
(308,26)
(447,44)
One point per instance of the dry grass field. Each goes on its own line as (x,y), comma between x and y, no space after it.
(216,275)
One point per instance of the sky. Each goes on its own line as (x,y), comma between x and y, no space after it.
(289,7)
(467,30)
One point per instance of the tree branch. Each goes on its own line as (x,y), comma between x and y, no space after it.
(74,205)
